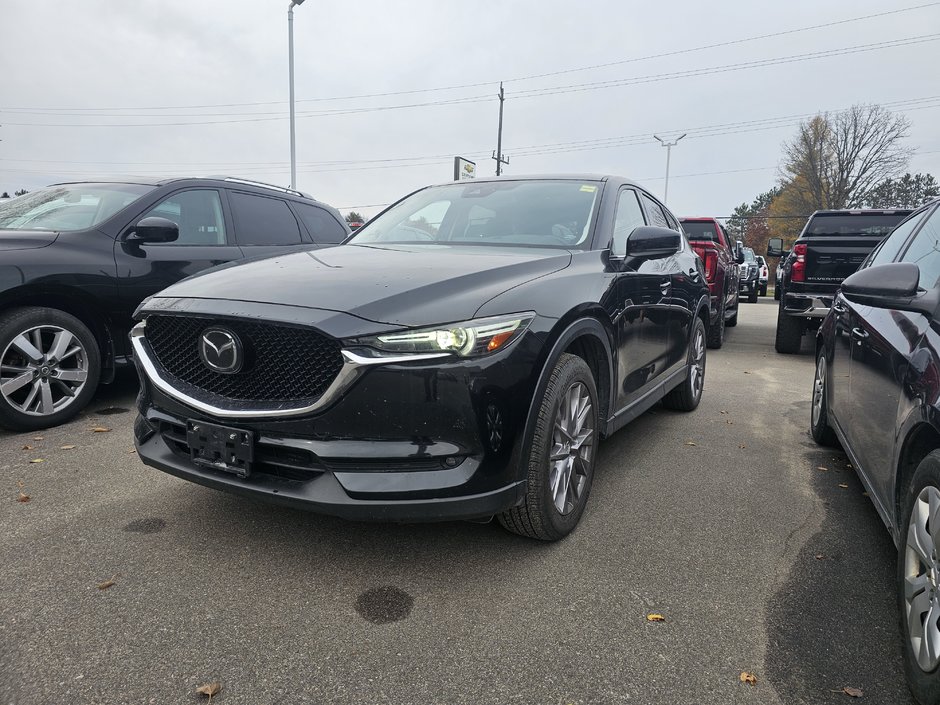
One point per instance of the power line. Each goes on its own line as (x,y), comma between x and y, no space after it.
(592,67)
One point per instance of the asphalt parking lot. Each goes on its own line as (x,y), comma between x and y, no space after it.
(759,549)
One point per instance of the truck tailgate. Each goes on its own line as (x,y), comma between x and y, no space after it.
(829,260)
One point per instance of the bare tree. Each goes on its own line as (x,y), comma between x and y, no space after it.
(836,159)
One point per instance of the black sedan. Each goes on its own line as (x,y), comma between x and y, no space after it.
(460,356)
(877,390)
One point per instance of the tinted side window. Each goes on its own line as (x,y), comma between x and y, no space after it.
(197,213)
(925,252)
(263,221)
(892,244)
(629,216)
(321,225)
(657,217)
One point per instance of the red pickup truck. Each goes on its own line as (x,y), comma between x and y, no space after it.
(712,243)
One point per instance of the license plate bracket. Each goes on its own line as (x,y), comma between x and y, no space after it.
(220,447)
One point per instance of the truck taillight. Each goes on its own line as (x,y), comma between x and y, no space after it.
(711,265)
(798,268)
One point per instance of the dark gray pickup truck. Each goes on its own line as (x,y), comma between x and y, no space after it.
(831,247)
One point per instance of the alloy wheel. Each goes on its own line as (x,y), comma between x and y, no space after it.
(572,448)
(43,370)
(922,579)
(697,372)
(819,390)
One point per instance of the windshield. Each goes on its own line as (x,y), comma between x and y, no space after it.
(700,230)
(533,213)
(68,206)
(873,224)
(749,255)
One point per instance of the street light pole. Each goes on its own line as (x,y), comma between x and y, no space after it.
(668,146)
(290,60)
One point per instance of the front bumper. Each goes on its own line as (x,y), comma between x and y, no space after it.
(424,440)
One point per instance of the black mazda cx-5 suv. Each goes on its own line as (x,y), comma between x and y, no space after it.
(459,357)
(76,259)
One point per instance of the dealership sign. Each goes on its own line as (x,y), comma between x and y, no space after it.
(464,169)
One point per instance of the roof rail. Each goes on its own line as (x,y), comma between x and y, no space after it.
(262,184)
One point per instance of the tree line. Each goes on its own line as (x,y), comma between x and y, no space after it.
(855,158)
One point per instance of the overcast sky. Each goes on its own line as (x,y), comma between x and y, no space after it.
(84,84)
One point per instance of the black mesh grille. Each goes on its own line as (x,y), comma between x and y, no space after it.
(283,363)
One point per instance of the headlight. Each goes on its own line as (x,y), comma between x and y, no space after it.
(468,339)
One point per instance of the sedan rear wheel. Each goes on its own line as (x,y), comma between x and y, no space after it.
(560,455)
(819,416)
(919,581)
(49,368)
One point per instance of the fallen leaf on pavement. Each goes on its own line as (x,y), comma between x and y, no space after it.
(724,412)
(209,689)
(819,556)
(655,618)
(729,422)
(37,438)
(864,494)
(822,469)
(742,446)
(848,465)
(100,429)
(132,451)
(38,460)
(23,496)
(748,678)
(66,447)
(746,372)
(27,447)
(843,485)
(690,443)
(853,692)
(107,583)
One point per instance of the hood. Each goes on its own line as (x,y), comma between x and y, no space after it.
(26,239)
(396,284)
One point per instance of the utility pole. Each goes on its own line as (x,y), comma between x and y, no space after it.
(498,154)
(668,146)
(290,52)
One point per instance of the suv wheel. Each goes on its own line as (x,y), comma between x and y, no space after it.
(789,333)
(716,332)
(560,455)
(752,296)
(49,368)
(819,417)
(687,395)
(918,568)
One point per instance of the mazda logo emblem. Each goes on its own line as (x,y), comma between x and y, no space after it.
(221,351)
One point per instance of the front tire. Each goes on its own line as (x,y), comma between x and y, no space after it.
(49,368)
(687,395)
(560,455)
(819,415)
(918,595)
(752,297)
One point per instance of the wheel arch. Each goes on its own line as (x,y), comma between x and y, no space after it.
(75,302)
(922,438)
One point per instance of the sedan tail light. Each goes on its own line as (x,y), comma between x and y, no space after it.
(798,268)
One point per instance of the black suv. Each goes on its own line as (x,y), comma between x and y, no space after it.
(461,356)
(831,247)
(76,259)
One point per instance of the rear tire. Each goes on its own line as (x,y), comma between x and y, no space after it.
(752,297)
(716,332)
(776,293)
(789,333)
(763,290)
(687,395)
(560,456)
(49,368)
(819,412)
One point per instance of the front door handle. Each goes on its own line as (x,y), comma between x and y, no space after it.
(859,334)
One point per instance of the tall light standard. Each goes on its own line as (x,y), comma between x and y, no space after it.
(290,51)
(668,146)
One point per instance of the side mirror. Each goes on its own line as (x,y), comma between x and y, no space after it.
(892,286)
(154,230)
(652,242)
(739,252)
(775,248)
